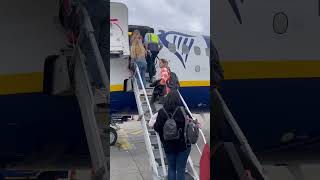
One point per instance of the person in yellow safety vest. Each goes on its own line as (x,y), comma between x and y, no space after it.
(153,46)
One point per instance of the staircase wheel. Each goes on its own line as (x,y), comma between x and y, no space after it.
(113,136)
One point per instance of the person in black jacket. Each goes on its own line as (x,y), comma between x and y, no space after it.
(177,151)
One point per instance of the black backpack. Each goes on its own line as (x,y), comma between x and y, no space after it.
(191,129)
(173,81)
(170,128)
(172,132)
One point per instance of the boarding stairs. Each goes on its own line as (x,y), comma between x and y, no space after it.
(156,154)
(94,106)
(234,160)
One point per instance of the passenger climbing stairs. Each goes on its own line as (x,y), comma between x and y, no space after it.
(157,158)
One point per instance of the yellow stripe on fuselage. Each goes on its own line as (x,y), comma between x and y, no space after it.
(118,87)
(271,69)
(21,83)
(33,82)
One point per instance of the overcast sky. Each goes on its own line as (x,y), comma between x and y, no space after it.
(188,15)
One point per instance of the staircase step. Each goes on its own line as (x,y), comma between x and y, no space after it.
(149,92)
(143,98)
(145,108)
(100,109)
(160,171)
(155,147)
(100,99)
(188,176)
(156,153)
(153,139)
(152,131)
(144,103)
(149,95)
(158,160)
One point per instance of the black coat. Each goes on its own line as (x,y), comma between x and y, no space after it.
(174,146)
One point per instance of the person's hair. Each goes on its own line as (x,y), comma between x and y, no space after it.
(136,31)
(137,49)
(165,62)
(172,101)
(135,34)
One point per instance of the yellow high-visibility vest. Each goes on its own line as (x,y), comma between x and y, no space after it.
(153,38)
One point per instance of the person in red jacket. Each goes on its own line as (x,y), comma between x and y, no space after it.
(161,89)
(165,74)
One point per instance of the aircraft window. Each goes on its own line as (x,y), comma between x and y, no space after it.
(197,68)
(280,23)
(172,47)
(197,50)
(208,52)
(185,49)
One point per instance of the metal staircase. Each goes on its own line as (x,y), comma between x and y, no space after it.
(93,106)
(157,159)
(94,117)
(235,157)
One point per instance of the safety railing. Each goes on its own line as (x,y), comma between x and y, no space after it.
(143,121)
(200,131)
(85,96)
(86,103)
(88,31)
(239,134)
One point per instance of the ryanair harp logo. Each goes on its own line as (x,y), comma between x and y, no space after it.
(178,39)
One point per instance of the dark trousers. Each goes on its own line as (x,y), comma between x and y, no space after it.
(156,95)
(101,27)
(150,62)
(177,164)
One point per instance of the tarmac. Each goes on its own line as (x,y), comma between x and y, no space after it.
(129,159)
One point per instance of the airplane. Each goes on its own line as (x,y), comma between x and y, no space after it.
(39,130)
(271,64)
(188,55)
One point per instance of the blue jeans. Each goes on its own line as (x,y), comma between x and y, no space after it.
(177,164)
(142,65)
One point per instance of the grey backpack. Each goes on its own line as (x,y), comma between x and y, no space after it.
(191,129)
(170,129)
